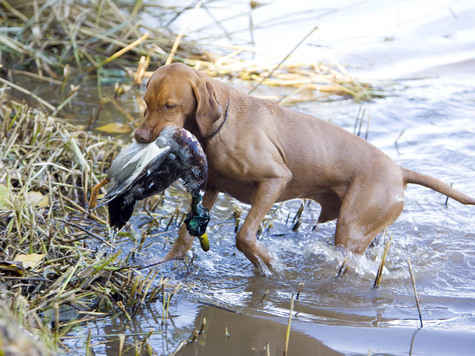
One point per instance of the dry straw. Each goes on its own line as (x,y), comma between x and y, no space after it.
(47,167)
(46,37)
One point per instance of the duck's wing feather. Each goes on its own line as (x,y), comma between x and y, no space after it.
(125,175)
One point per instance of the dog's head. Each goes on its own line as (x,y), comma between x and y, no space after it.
(178,95)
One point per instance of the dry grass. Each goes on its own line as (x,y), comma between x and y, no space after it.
(58,38)
(51,261)
(45,35)
(15,331)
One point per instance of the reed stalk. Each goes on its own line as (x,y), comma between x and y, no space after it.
(74,39)
(49,158)
(287,334)
(377,280)
(416,295)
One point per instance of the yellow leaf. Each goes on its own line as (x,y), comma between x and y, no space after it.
(114,128)
(37,199)
(31,260)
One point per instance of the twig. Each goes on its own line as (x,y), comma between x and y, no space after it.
(203,326)
(299,290)
(68,99)
(86,231)
(287,335)
(447,199)
(106,335)
(36,76)
(381,265)
(218,306)
(283,60)
(181,34)
(264,296)
(179,347)
(413,280)
(395,142)
(152,265)
(14,11)
(84,211)
(343,268)
(124,50)
(412,341)
(251,28)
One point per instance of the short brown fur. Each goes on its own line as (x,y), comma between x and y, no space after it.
(266,153)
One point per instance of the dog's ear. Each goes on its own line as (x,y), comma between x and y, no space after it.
(208,109)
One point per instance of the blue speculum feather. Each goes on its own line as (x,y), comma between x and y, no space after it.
(143,170)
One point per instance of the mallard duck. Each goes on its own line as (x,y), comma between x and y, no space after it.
(142,170)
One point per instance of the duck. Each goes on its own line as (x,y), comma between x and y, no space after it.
(141,170)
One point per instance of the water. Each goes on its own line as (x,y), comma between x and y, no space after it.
(423,54)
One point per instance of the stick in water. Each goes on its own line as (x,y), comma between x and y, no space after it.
(181,34)
(413,280)
(381,265)
(287,335)
(283,60)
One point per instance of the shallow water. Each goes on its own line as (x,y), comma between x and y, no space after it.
(429,111)
(344,315)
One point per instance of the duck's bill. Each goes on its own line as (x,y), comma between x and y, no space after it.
(204,242)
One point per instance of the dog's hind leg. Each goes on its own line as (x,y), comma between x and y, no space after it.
(366,212)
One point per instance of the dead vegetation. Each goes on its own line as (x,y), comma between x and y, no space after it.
(60,39)
(52,264)
(47,36)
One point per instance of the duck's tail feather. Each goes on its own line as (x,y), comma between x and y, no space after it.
(120,211)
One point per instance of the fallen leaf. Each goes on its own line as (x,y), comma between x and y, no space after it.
(31,260)
(37,199)
(114,128)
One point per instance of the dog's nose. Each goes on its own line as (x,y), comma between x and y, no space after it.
(142,135)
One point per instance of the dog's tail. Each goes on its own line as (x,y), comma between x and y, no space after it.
(435,184)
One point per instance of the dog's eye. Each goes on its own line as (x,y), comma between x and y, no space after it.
(170,106)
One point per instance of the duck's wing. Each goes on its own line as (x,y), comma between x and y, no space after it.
(124,173)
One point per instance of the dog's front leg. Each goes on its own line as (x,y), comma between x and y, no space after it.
(266,194)
(184,241)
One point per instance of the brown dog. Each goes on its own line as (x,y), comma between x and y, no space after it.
(261,153)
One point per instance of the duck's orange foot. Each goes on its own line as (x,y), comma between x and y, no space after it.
(95,193)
